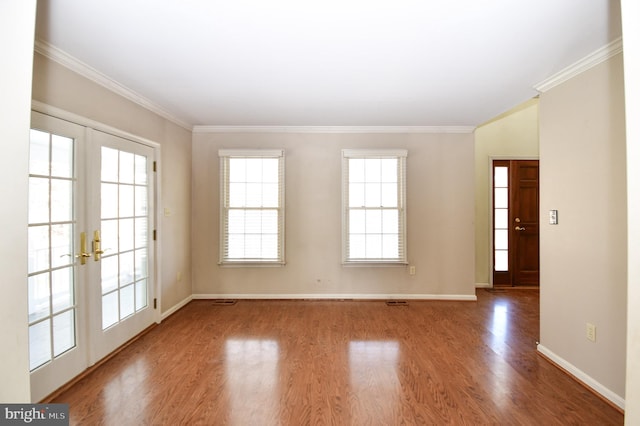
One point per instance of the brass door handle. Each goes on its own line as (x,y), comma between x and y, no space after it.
(83,249)
(518,228)
(97,249)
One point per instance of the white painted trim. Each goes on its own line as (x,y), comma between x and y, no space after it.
(484,285)
(333,129)
(63,58)
(157,293)
(513,157)
(584,64)
(66,60)
(251,153)
(175,308)
(359,153)
(583,377)
(323,296)
(87,122)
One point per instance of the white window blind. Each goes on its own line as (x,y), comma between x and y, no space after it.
(374,215)
(252,206)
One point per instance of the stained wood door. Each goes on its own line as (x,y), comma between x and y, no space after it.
(525,257)
(516,252)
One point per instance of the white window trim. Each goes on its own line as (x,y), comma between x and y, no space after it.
(400,154)
(224,155)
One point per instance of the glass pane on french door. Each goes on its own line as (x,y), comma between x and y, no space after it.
(121,218)
(51,280)
(56,277)
(125,234)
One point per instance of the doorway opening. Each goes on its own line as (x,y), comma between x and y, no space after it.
(515,223)
(92,264)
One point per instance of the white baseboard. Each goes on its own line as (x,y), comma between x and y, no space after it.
(583,377)
(324,296)
(483,285)
(174,308)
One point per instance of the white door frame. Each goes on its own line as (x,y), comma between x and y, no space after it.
(92,124)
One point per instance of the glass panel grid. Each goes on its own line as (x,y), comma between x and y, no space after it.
(374,214)
(125,234)
(51,285)
(501,218)
(252,209)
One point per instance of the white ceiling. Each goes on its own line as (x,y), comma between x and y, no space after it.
(330,62)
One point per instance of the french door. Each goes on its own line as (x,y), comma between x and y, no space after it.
(122,226)
(56,289)
(91,258)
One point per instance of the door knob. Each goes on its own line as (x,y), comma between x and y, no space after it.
(518,228)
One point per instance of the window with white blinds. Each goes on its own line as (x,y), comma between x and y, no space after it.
(252,206)
(373,200)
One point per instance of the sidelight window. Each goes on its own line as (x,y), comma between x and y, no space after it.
(501,217)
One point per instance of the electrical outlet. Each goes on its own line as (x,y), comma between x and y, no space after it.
(412,270)
(591,332)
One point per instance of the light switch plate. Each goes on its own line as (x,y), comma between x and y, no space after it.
(553,217)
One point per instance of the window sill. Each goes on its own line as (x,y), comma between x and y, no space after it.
(374,263)
(249,264)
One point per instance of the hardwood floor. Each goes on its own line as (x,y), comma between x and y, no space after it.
(339,363)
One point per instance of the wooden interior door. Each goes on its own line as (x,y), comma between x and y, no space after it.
(525,255)
(515,236)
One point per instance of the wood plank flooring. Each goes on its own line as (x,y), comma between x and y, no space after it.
(339,363)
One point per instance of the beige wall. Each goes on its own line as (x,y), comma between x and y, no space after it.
(584,257)
(59,87)
(631,32)
(513,135)
(17,22)
(439,215)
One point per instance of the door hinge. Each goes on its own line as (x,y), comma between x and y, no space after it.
(155,166)
(155,235)
(155,303)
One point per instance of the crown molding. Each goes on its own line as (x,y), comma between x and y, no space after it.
(61,57)
(333,129)
(584,64)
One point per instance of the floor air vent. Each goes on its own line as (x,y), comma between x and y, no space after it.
(224,302)
(397,303)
